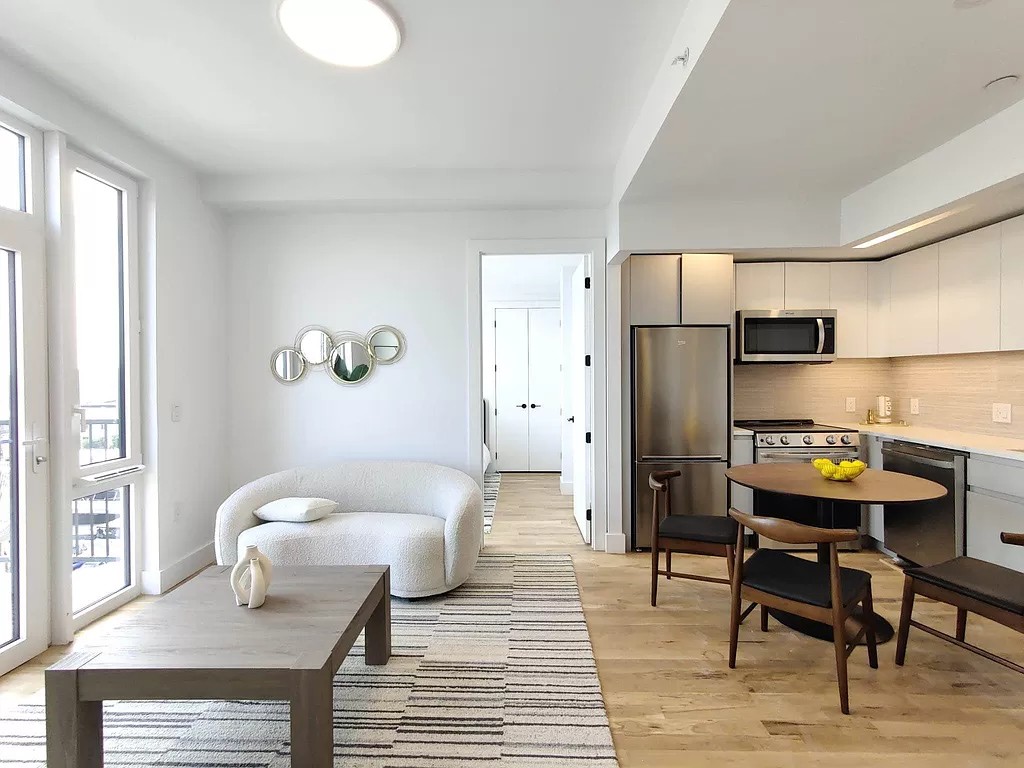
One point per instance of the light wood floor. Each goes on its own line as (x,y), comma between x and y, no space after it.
(673,701)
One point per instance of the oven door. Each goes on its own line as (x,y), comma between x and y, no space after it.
(804,510)
(786,336)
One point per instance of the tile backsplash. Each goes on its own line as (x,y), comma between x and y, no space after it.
(955,391)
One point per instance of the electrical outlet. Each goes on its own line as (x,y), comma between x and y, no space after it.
(1001,413)
(851,405)
(915,406)
(176,412)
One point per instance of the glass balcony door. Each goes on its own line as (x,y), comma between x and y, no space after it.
(24,459)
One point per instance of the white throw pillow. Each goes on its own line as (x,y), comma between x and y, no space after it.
(295,510)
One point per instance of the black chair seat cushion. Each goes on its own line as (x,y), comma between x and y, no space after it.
(794,578)
(709,528)
(978,579)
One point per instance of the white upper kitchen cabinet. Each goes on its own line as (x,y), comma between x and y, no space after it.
(878,308)
(914,303)
(969,292)
(1012,331)
(807,285)
(848,296)
(761,286)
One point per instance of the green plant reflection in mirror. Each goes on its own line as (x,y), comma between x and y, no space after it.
(351,362)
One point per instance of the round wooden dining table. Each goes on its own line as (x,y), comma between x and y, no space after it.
(874,486)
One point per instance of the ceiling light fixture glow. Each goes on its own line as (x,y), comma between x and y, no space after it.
(909,228)
(346,33)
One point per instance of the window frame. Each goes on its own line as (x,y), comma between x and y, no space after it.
(87,480)
(123,472)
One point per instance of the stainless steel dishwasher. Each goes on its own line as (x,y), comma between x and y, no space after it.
(927,532)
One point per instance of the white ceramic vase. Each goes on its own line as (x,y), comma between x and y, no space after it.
(250,578)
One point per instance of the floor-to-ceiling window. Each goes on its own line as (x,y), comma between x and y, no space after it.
(105,352)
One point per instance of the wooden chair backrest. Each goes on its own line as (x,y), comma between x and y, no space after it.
(657,479)
(789,532)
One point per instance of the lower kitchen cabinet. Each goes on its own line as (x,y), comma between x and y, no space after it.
(742,453)
(988,515)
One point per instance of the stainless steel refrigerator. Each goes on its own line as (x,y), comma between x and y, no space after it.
(681,420)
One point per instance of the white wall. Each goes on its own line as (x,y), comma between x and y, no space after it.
(184,337)
(351,271)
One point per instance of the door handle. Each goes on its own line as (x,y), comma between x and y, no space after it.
(571,419)
(521,406)
(821,336)
(534,405)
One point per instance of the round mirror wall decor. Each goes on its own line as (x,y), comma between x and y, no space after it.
(287,365)
(348,358)
(315,344)
(351,362)
(387,345)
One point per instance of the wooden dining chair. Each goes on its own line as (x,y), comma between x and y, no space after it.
(689,534)
(972,586)
(822,592)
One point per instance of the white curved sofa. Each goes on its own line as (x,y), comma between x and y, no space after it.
(425,521)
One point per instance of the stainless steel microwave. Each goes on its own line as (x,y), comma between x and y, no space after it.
(786,336)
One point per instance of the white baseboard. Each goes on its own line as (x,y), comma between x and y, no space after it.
(615,543)
(565,488)
(158,582)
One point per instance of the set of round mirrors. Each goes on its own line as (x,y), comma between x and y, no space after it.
(348,358)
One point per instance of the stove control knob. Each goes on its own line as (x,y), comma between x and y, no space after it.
(784,440)
(808,439)
(769,440)
(831,439)
(847,439)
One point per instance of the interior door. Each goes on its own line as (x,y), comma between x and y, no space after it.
(512,390)
(545,377)
(24,564)
(581,398)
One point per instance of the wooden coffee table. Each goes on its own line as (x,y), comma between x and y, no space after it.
(195,643)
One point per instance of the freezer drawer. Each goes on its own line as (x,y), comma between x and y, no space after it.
(701,489)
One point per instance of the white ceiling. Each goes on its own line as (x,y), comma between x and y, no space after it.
(524,278)
(824,96)
(489,84)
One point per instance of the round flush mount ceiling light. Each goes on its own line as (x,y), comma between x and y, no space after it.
(346,33)
(1002,84)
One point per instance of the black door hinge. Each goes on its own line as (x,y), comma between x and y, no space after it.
(588,437)
(586,361)
(586,282)
(589,512)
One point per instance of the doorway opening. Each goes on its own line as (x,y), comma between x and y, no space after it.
(537,376)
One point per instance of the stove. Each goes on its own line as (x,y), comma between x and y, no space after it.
(792,441)
(802,435)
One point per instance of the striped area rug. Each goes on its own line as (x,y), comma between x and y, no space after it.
(492,483)
(499,672)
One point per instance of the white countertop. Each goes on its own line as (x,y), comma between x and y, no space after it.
(989,445)
(741,432)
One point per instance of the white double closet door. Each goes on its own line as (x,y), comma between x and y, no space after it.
(527,356)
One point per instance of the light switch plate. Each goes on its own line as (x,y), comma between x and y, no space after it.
(915,406)
(176,412)
(1002,413)
(851,405)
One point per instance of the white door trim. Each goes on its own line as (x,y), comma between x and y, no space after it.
(594,249)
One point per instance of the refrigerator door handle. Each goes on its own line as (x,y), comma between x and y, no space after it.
(682,459)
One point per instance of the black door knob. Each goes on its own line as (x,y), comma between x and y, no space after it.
(521,406)
(534,405)
(571,419)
